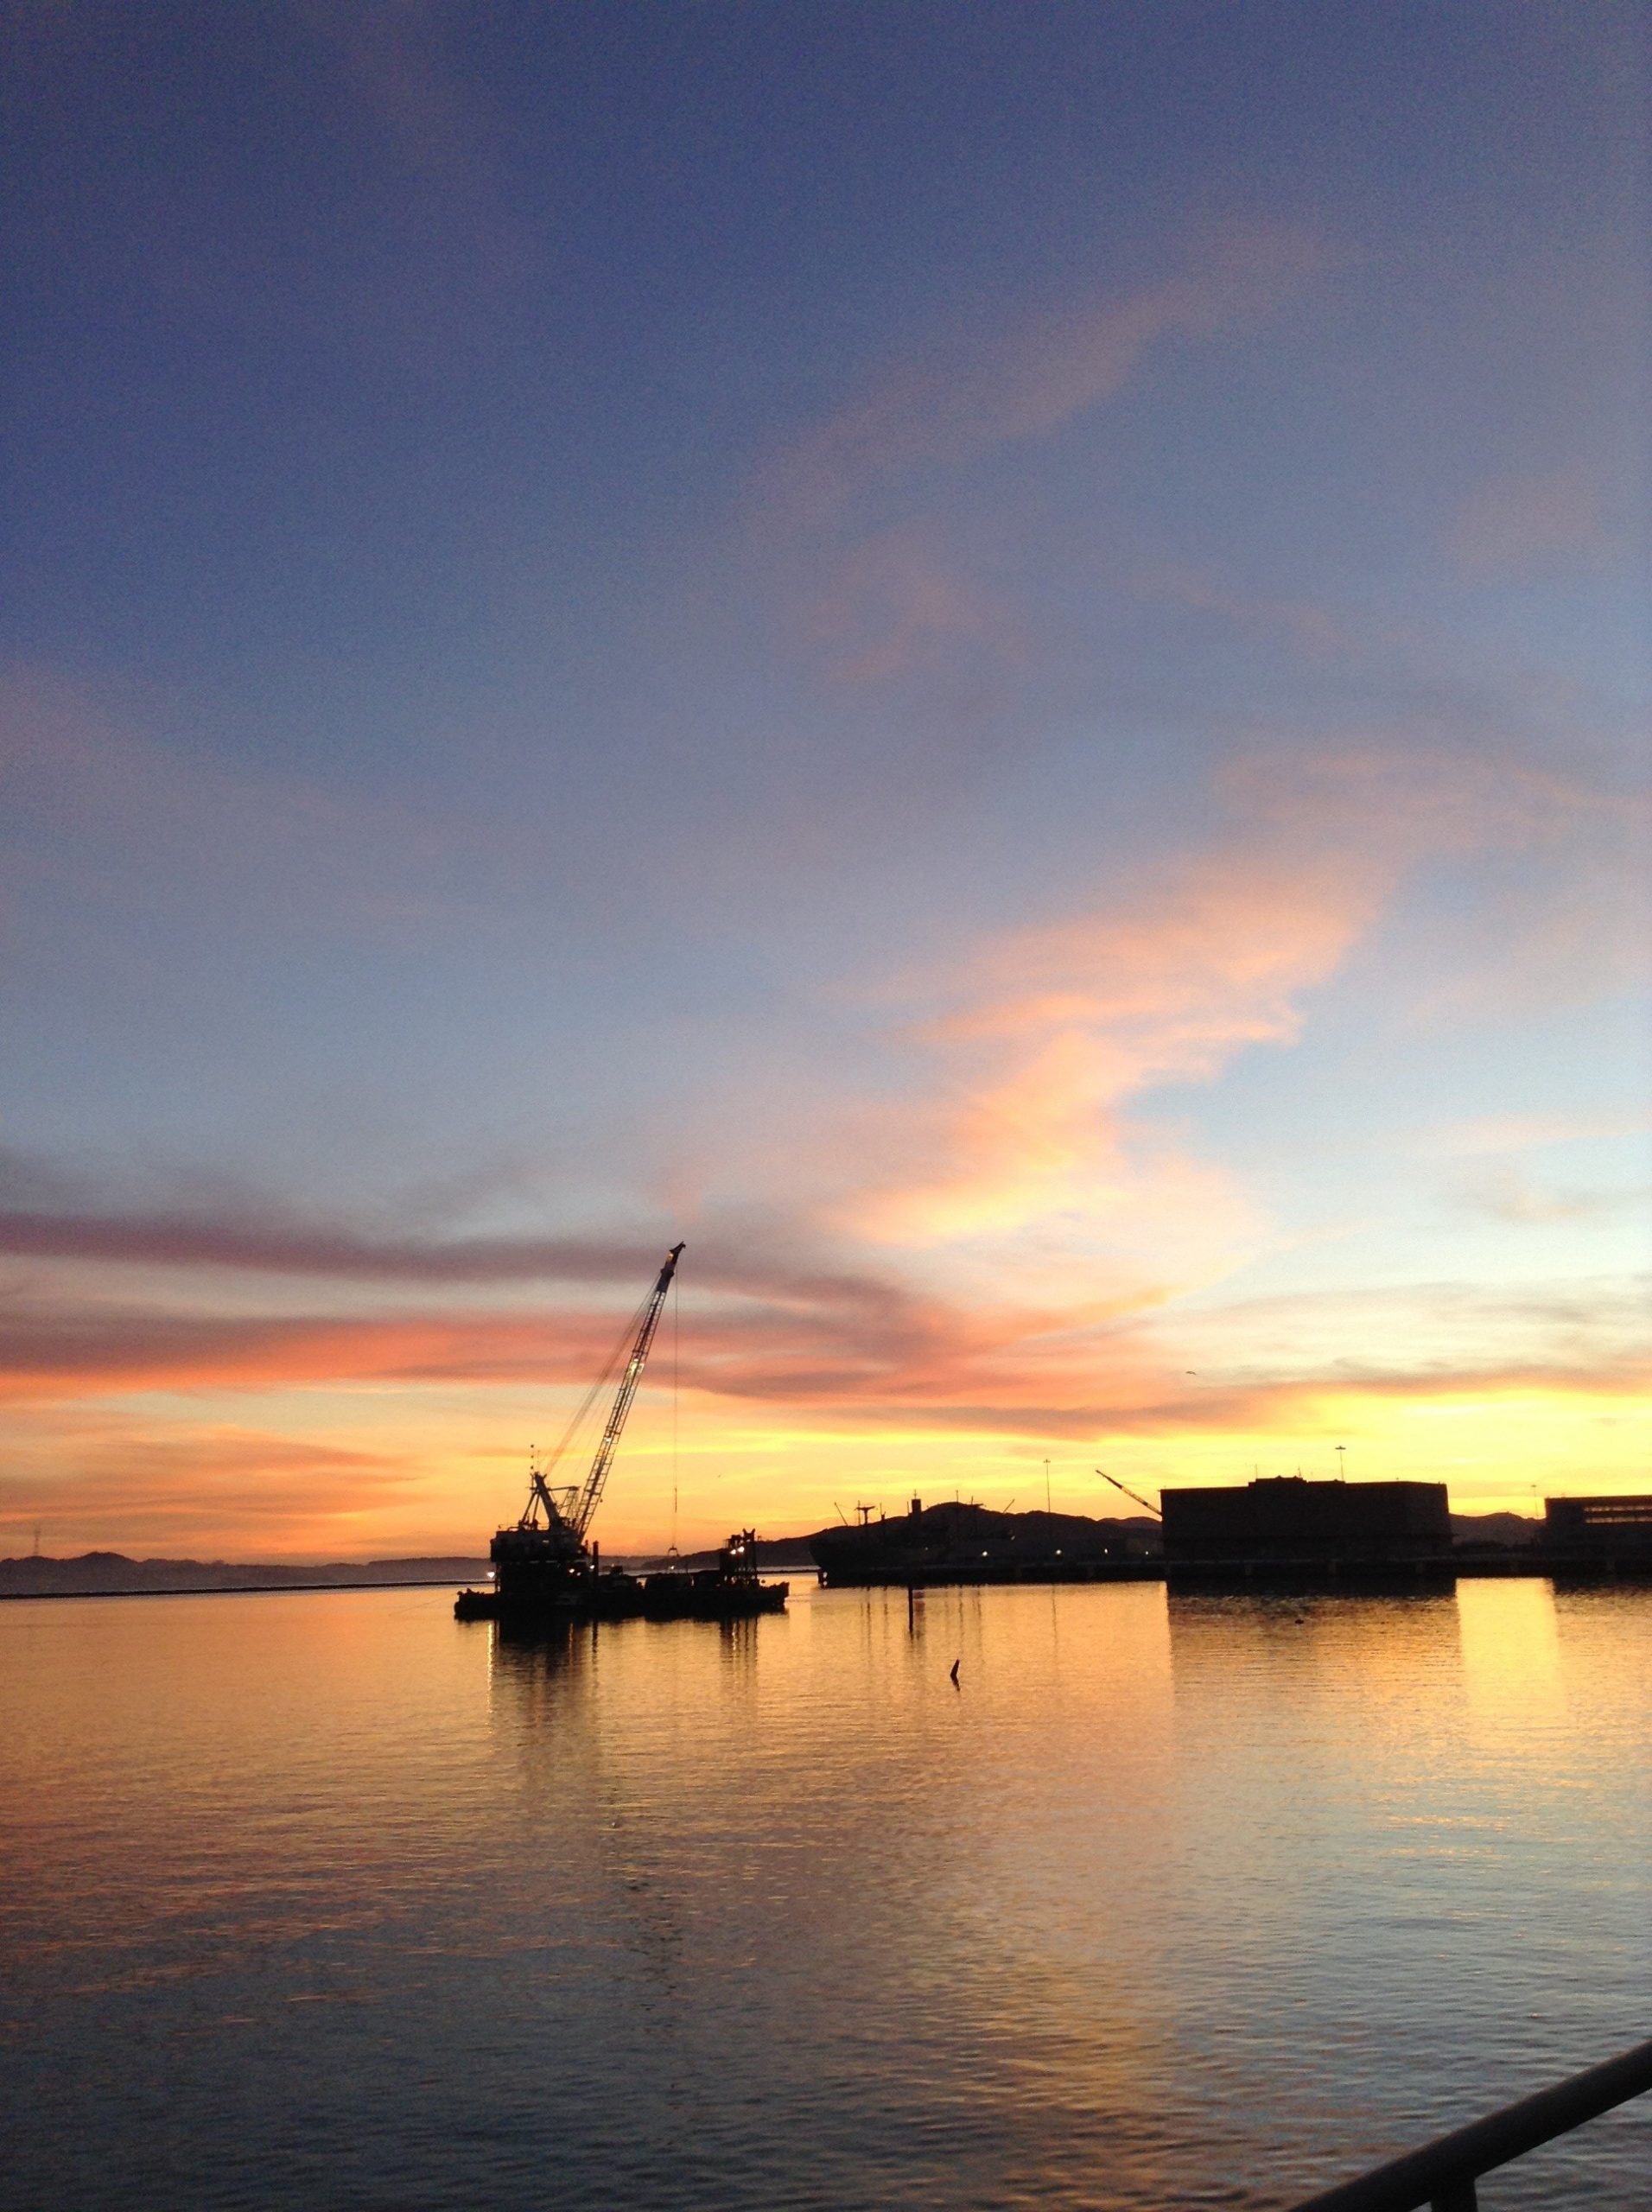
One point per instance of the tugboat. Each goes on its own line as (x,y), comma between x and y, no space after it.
(544,1571)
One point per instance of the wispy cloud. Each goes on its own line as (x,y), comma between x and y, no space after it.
(845,512)
(1044,1039)
(993,1245)
(1507,1193)
(1505,1133)
(925,1363)
(268,1243)
(105,811)
(895,603)
(1037,370)
(50,1214)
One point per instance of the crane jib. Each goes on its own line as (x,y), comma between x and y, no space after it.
(591,1496)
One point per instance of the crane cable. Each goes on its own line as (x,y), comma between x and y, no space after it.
(626,1337)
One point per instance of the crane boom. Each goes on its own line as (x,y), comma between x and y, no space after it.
(591,1496)
(1129,1493)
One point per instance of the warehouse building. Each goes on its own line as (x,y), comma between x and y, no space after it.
(1599,1528)
(1343,1530)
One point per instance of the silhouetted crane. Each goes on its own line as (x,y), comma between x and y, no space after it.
(570,1508)
(1129,1493)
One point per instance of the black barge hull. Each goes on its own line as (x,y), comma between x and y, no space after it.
(623,1598)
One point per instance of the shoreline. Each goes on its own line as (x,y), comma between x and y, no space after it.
(232,1590)
(1262,1579)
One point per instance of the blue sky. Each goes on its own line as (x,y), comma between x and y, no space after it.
(991,659)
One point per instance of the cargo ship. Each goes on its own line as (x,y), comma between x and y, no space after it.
(545,1570)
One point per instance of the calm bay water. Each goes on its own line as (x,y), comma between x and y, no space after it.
(326,1900)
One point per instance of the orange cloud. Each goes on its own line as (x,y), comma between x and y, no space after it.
(1047,1036)
(401,1432)
(87,1348)
(1062,1367)
(1024,1171)
(122,1483)
(989,1252)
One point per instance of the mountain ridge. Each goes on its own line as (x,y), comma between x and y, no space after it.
(113,1575)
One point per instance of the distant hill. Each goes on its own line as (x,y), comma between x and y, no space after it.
(112,1574)
(788,1555)
(791,1554)
(109,1574)
(1496,1529)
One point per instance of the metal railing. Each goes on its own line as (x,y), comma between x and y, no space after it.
(1443,2173)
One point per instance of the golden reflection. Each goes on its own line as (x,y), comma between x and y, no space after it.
(1061,1934)
(1511,1652)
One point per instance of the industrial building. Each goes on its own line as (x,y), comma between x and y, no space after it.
(1599,1528)
(1290,1526)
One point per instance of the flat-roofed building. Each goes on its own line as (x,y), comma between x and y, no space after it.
(1290,1522)
(1614,1527)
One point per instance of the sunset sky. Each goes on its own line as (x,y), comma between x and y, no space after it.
(989,659)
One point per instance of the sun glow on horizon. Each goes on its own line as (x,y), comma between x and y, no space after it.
(1062,793)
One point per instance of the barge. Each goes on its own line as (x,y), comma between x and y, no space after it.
(526,1591)
(545,1571)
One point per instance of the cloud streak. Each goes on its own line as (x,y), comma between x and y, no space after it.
(926,1362)
(845,513)
(1039,372)
(267,1245)
(990,1247)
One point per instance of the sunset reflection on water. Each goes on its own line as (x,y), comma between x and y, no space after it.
(1168,1902)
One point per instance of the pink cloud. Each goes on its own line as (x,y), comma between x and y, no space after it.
(932,1364)
(1319,632)
(1030,1209)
